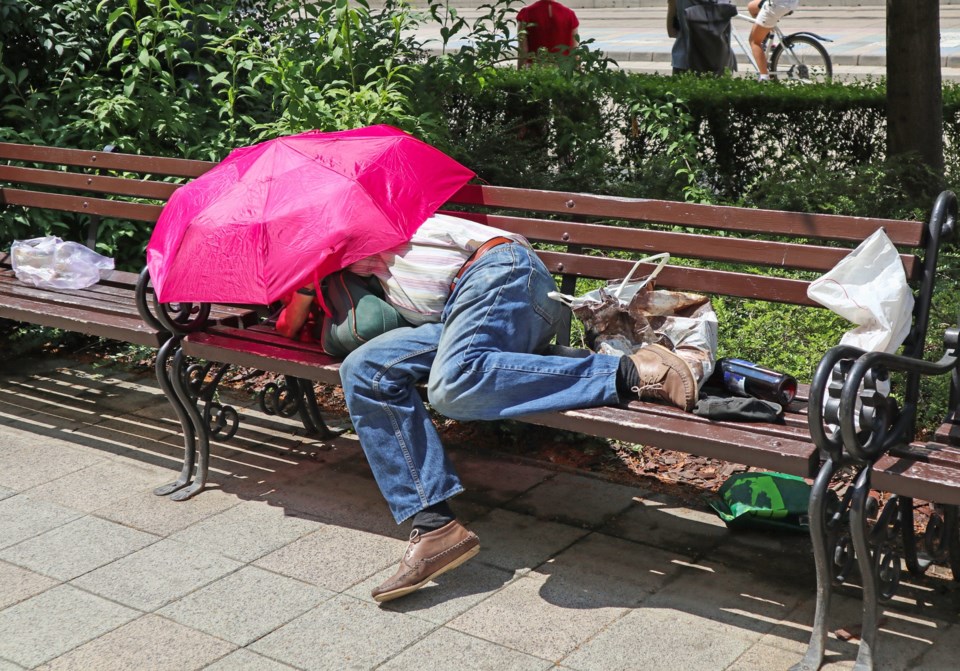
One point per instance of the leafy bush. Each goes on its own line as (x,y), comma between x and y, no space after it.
(198,79)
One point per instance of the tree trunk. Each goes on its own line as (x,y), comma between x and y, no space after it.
(914,95)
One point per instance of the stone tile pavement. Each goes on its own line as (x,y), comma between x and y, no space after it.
(271,568)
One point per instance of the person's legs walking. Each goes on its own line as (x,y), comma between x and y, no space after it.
(758,33)
(766,13)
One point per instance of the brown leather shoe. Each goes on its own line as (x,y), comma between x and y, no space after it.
(665,377)
(427,556)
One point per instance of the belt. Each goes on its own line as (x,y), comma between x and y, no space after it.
(477,253)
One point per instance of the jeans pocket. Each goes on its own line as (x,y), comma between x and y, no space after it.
(540,284)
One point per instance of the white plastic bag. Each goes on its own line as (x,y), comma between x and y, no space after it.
(624,289)
(627,314)
(869,288)
(51,263)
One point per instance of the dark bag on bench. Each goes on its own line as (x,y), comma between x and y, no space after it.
(708,35)
(359,313)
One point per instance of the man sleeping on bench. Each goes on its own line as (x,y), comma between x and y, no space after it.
(477,299)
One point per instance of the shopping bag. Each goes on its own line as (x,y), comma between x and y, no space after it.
(869,288)
(708,36)
(625,315)
(764,500)
(51,263)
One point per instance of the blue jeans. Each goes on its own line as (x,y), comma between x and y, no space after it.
(479,363)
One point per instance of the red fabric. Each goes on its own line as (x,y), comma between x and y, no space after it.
(549,25)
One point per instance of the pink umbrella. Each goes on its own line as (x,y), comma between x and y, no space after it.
(272,217)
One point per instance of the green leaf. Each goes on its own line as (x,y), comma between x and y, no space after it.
(114,15)
(119,35)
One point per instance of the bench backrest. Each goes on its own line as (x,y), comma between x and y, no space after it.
(720,250)
(100,184)
(89,182)
(715,249)
(751,244)
(570,226)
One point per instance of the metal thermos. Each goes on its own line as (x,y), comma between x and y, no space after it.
(748,379)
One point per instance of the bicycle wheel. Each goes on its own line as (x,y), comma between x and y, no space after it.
(801,58)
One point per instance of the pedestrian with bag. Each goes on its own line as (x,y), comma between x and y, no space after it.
(478,299)
(701,29)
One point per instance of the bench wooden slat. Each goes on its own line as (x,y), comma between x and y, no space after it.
(178,167)
(948,433)
(685,245)
(112,297)
(141,188)
(261,334)
(108,303)
(715,440)
(927,481)
(87,320)
(216,345)
(793,428)
(81,204)
(743,285)
(820,226)
(114,284)
(932,453)
(112,280)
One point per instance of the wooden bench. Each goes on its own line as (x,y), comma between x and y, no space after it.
(725,251)
(578,241)
(99,185)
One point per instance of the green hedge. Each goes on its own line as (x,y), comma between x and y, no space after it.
(197,79)
(746,140)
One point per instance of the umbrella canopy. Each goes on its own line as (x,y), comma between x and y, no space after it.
(270,218)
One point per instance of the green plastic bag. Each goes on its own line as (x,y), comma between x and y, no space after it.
(764,501)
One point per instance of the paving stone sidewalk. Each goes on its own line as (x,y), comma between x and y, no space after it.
(272,567)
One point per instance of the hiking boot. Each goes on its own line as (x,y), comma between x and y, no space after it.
(427,556)
(664,376)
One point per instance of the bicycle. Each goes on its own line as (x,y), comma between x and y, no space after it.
(800,56)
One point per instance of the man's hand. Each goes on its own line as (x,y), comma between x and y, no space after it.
(293,317)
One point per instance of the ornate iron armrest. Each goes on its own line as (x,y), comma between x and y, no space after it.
(176,318)
(866,430)
(882,424)
(847,375)
(823,407)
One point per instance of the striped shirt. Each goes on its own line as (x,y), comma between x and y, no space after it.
(416,275)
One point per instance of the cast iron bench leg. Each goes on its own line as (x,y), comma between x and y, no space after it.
(189,435)
(310,411)
(822,549)
(867,563)
(953,539)
(179,379)
(295,397)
